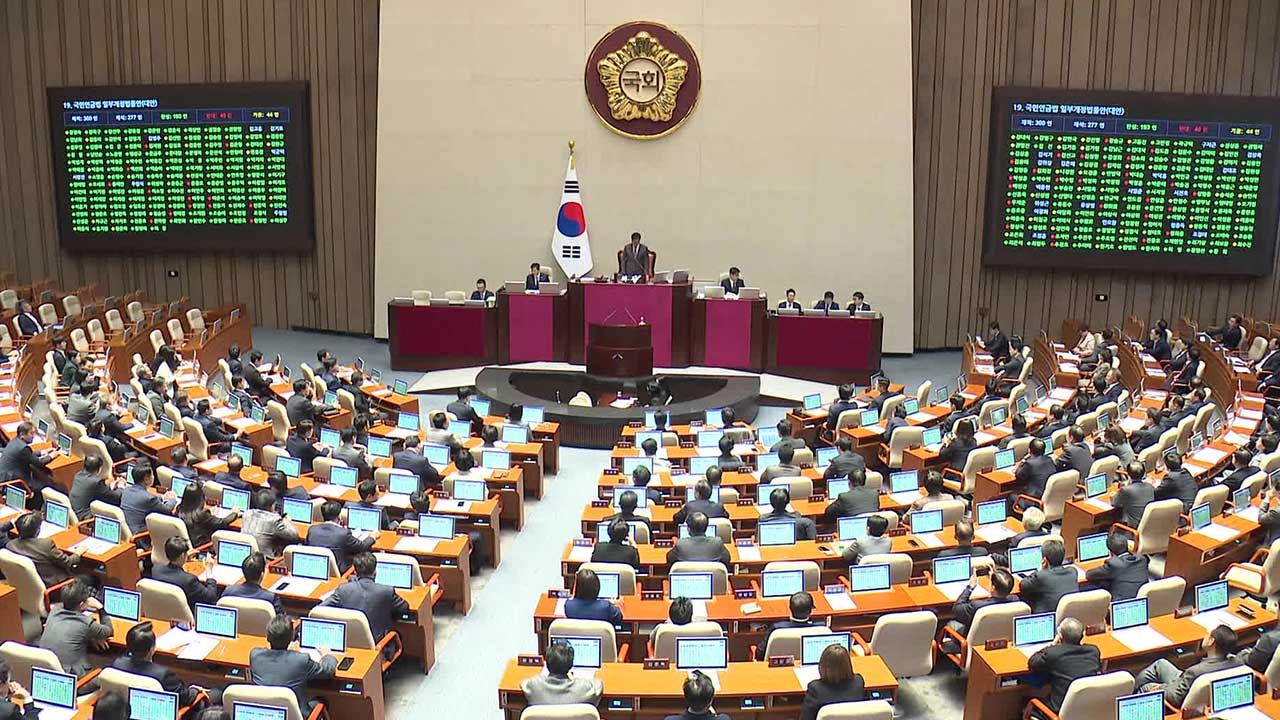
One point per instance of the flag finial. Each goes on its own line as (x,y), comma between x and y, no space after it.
(571,162)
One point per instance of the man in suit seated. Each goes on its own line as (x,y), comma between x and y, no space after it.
(996,342)
(727,461)
(411,459)
(859,303)
(300,405)
(231,476)
(1076,454)
(779,499)
(698,546)
(177,550)
(328,374)
(801,605)
(616,549)
(1177,483)
(1065,660)
(72,632)
(19,461)
(1219,647)
(1259,656)
(734,283)
(28,323)
(1043,588)
(536,277)
(640,478)
(329,534)
(701,503)
(353,456)
(627,504)
(786,437)
(884,392)
(1011,367)
(303,445)
(381,604)
(857,500)
(461,409)
(254,566)
(52,564)
(875,543)
(699,695)
(845,461)
(1157,344)
(827,303)
(278,483)
(1133,495)
(790,303)
(279,665)
(1266,366)
(558,686)
(586,603)
(219,439)
(137,501)
(786,467)
(965,608)
(955,449)
(87,486)
(1057,421)
(1032,527)
(482,291)
(258,385)
(140,649)
(635,258)
(1240,469)
(1269,518)
(964,542)
(1229,334)
(1122,573)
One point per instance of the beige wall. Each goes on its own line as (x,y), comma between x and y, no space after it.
(796,165)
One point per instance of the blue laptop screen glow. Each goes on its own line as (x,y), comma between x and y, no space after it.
(992,511)
(407,421)
(495,459)
(1128,613)
(533,415)
(54,688)
(123,604)
(812,401)
(642,498)
(343,476)
(330,437)
(901,482)
(1024,560)
(480,405)
(57,514)
(812,646)
(951,569)
(366,519)
(316,633)
(826,455)
(1091,547)
(654,435)
(781,583)
(768,437)
(630,464)
(106,529)
(310,565)
(1144,706)
(401,483)
(152,705)
(215,620)
(764,491)
(515,434)
(863,578)
(926,521)
(778,532)
(379,447)
(1004,459)
(851,528)
(298,510)
(698,465)
(234,499)
(469,490)
(1034,629)
(233,553)
(437,455)
(692,585)
(251,711)
(1231,692)
(586,650)
(244,452)
(1201,516)
(932,436)
(394,574)
(460,428)
(837,487)
(1211,596)
(702,653)
(709,438)
(1095,485)
(290,466)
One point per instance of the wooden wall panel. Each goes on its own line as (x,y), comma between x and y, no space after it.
(962,48)
(332,44)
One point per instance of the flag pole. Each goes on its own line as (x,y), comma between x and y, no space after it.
(571,144)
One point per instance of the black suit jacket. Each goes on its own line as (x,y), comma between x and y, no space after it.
(477,295)
(820,694)
(1033,474)
(635,259)
(1061,664)
(1132,500)
(381,604)
(1044,588)
(858,500)
(732,286)
(1121,575)
(784,305)
(253,380)
(340,540)
(196,591)
(1259,656)
(28,324)
(533,280)
(1178,484)
(710,508)
(1076,457)
(415,463)
(167,678)
(18,460)
(302,449)
(997,345)
(254,591)
(1160,350)
(611,552)
(965,608)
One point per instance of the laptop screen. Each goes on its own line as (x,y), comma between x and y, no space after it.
(1128,613)
(630,464)
(690,493)
(533,415)
(123,604)
(480,405)
(343,476)
(54,688)
(330,437)
(768,436)
(781,583)
(602,530)
(1211,596)
(366,519)
(709,438)
(310,565)
(901,482)
(1241,498)
(698,465)
(379,447)
(766,460)
(932,436)
(702,653)
(826,455)
(331,398)
(64,442)
(57,514)
(400,387)
(992,511)
(863,578)
(316,633)
(951,569)
(215,620)
(999,415)
(813,401)
(1144,706)
(712,417)
(152,705)
(407,421)
(258,413)
(15,498)
(1024,560)
(1023,404)
(837,487)
(298,510)
(764,491)
(437,455)
(515,434)
(586,650)
(290,466)
(1095,485)
(180,485)
(469,490)
(644,435)
(495,459)
(1034,629)
(394,574)
(812,646)
(435,526)
(252,711)
(1004,459)
(1231,692)
(778,532)
(642,498)
(610,584)
(401,483)
(941,394)
(106,529)
(233,553)
(166,427)
(460,428)
(850,528)
(692,585)
(869,417)
(1201,517)
(244,452)
(911,406)
(1091,547)
(926,521)
(234,499)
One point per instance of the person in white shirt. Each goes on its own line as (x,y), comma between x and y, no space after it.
(1087,343)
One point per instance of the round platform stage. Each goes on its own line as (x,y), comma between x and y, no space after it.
(599,426)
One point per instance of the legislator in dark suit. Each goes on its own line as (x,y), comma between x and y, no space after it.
(699,548)
(710,508)
(51,562)
(137,502)
(635,259)
(1076,456)
(414,462)
(612,552)
(29,324)
(167,678)
(299,407)
(254,591)
(1061,664)
(258,385)
(966,608)
(1132,500)
(733,286)
(87,487)
(340,540)
(291,669)
(303,449)
(381,604)
(197,592)
(856,501)
(820,693)
(1121,575)
(72,635)
(1178,484)
(1033,474)
(1044,588)
(18,460)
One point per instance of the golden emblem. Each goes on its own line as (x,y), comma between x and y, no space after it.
(642,79)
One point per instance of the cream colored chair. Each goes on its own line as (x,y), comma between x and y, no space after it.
(195,320)
(719,574)
(803,457)
(455,297)
(347,401)
(1163,595)
(415,572)
(269,455)
(899,565)
(79,340)
(48,314)
(1089,607)
(626,574)
(812,573)
(1058,490)
(1111,410)
(800,488)
(268,695)
(1255,482)
(1159,522)
(98,507)
(988,407)
(1089,697)
(20,572)
(952,510)
(97,334)
(421,297)
(197,445)
(324,466)
(721,527)
(566,627)
(157,341)
(115,323)
(902,439)
(1203,416)
(113,680)
(1020,447)
(1109,466)
(789,641)
(860,710)
(1150,456)
(8,299)
(1215,495)
(176,334)
(904,641)
(162,527)
(989,623)
(21,658)
(979,460)
(164,601)
(279,419)
(1185,426)
(135,313)
(6,339)
(663,642)
(359,634)
(575,711)
(1198,693)
(923,391)
(1038,540)
(1088,422)
(220,536)
(1260,577)
(291,550)
(848,419)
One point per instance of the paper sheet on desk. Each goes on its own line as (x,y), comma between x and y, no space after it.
(1101,503)
(413,543)
(227,574)
(240,423)
(929,540)
(840,601)
(952,590)
(1249,712)
(994,533)
(299,586)
(1209,456)
(53,712)
(1214,618)
(1249,414)
(749,554)
(1141,638)
(1221,533)
(699,610)
(806,674)
(174,638)
(1235,438)
(392,500)
(984,438)
(327,490)
(48,528)
(401,433)
(199,648)
(92,546)
(580,553)
(919,417)
(905,498)
(1132,424)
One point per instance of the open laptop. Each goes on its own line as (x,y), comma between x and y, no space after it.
(586,652)
(152,704)
(777,532)
(1143,706)
(1026,560)
(121,603)
(702,653)
(54,693)
(1231,698)
(904,486)
(1091,547)
(692,585)
(254,711)
(869,578)
(1033,632)
(781,583)
(394,574)
(316,633)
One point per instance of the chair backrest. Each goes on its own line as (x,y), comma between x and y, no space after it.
(1095,696)
(324,466)
(1109,466)
(1159,521)
(114,321)
(279,419)
(1149,456)
(22,658)
(196,442)
(1020,446)
(905,642)
(20,572)
(176,334)
(923,391)
(812,573)
(195,320)
(6,339)
(1185,426)
(899,565)
(719,574)
(1088,422)
(79,340)
(1215,495)
(134,310)
(359,634)
(1016,392)
(48,314)
(96,333)
(157,341)
(849,419)
(346,401)
(8,299)
(221,536)
(1203,415)
(903,438)
(568,627)
(803,456)
(269,455)
(789,641)
(270,695)
(1198,693)
(1163,595)
(162,527)
(860,710)
(983,458)
(164,601)
(111,679)
(800,488)
(626,574)
(421,297)
(575,711)
(952,510)
(1058,489)
(1089,607)
(1255,482)
(664,636)
(53,495)
(289,550)
(991,622)
(721,527)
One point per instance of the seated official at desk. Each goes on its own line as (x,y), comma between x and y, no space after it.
(727,461)
(353,456)
(1114,444)
(71,633)
(734,283)
(857,500)
(536,277)
(1033,473)
(699,695)
(996,342)
(1123,572)
(183,463)
(779,499)
(698,546)
(790,303)
(258,385)
(278,483)
(558,686)
(964,542)
(461,408)
(300,405)
(786,437)
(219,440)
(1240,469)
(338,539)
(253,567)
(1177,482)
(231,476)
(1076,454)
(933,491)
(627,504)
(635,258)
(201,524)
(368,492)
(955,450)
(1066,660)
(845,461)
(679,612)
(140,648)
(858,304)
(785,467)
(411,459)
(1033,521)
(137,501)
(482,291)
(1259,656)
(269,528)
(650,449)
(801,607)
(640,478)
(381,604)
(1219,646)
(586,603)
(958,411)
(19,462)
(701,503)
(52,564)
(616,549)
(278,665)
(177,551)
(836,683)
(965,608)
(827,303)
(876,542)
(1133,494)
(1043,588)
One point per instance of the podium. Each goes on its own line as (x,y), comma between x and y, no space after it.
(621,351)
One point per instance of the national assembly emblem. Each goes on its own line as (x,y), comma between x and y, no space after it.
(642,80)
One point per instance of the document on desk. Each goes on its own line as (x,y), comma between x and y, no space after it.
(840,601)
(199,648)
(53,712)
(400,433)
(560,607)
(1099,503)
(90,546)
(1132,424)
(392,500)
(1251,513)
(48,528)
(952,590)
(223,411)
(929,540)
(227,574)
(700,610)
(905,498)
(328,491)
(240,423)
(1221,533)
(749,554)
(919,417)
(174,638)
(1249,712)
(1214,618)
(580,553)
(297,586)
(994,533)
(985,438)
(1208,456)
(1141,638)
(416,544)
(806,674)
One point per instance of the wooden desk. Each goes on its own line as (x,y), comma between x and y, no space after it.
(744,687)
(528,456)
(806,424)
(430,337)
(450,559)
(10,615)
(1200,558)
(117,566)
(338,419)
